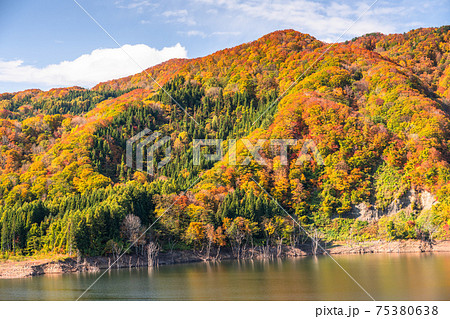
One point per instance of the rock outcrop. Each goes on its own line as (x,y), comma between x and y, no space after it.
(409,202)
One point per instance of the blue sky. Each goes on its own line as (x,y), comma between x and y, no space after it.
(53,43)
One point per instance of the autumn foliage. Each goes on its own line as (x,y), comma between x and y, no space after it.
(376,107)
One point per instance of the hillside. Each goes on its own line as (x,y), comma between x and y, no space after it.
(377,107)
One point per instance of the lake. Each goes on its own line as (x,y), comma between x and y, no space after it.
(384,276)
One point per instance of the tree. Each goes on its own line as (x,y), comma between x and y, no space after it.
(131,226)
(240,231)
(114,248)
(195,233)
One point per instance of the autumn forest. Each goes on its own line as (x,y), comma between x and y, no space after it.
(377,107)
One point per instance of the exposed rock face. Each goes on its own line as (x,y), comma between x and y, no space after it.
(404,202)
(364,211)
(409,202)
(427,200)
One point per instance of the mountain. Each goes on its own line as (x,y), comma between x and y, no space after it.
(376,108)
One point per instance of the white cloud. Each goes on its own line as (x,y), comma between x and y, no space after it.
(181,16)
(225,33)
(193,33)
(321,19)
(175,13)
(135,4)
(198,33)
(89,69)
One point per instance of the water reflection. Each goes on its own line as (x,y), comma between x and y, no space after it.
(386,277)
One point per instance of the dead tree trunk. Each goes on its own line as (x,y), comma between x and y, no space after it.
(152,254)
(279,247)
(315,242)
(78,258)
(217,254)
(208,250)
(266,249)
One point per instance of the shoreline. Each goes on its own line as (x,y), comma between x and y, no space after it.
(31,268)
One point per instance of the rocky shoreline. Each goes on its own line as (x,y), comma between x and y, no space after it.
(24,269)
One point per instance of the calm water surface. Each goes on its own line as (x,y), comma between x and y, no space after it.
(385,277)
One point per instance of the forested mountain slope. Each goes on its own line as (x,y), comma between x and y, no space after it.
(377,107)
